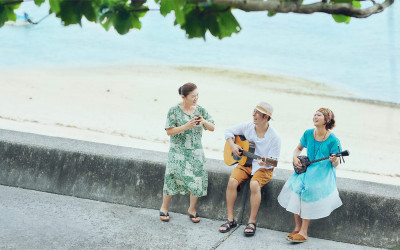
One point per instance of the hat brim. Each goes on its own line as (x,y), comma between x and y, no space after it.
(263,111)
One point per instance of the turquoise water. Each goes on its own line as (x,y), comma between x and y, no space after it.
(362,58)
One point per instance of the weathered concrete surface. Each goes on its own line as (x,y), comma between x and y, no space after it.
(36,220)
(370,214)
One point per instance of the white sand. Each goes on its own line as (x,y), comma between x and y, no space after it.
(127,106)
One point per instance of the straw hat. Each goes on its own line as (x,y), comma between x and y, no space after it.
(265,108)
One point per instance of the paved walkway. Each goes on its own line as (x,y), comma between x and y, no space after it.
(37,220)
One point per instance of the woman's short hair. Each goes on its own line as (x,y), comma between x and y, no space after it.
(329,117)
(330,124)
(186,88)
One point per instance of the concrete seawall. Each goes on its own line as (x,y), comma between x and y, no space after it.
(370,214)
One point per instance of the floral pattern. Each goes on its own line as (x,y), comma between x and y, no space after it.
(184,171)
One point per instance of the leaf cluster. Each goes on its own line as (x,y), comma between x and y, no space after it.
(197,19)
(194,17)
(123,15)
(7,11)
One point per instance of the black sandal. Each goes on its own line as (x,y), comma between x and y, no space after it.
(194,217)
(162,214)
(228,225)
(249,227)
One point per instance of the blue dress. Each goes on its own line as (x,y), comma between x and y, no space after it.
(313,194)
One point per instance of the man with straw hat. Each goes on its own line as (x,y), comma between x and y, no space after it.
(268,145)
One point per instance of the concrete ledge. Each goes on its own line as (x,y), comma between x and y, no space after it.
(370,214)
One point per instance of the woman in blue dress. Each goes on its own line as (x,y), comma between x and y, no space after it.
(313,194)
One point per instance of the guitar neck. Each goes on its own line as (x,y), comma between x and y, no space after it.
(251,155)
(254,156)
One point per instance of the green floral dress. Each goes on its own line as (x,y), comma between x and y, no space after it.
(184,172)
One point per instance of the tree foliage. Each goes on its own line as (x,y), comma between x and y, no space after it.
(195,17)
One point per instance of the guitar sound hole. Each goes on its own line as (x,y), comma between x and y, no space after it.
(236,158)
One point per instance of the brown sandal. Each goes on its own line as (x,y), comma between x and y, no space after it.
(291,234)
(297,238)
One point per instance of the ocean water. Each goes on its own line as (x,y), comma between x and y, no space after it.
(362,57)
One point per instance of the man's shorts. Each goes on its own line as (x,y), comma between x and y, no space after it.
(242,174)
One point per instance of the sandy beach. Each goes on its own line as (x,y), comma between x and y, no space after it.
(127,106)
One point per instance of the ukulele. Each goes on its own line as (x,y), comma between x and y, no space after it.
(305,162)
(247,154)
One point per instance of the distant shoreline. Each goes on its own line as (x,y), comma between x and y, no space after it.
(321,88)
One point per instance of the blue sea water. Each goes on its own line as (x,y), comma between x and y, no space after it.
(362,57)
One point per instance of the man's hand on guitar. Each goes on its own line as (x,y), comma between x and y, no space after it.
(263,161)
(235,149)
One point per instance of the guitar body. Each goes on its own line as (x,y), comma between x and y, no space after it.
(231,159)
(305,162)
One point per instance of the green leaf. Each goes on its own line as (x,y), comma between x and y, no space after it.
(212,25)
(11,15)
(136,24)
(271,14)
(88,11)
(108,16)
(121,21)
(124,21)
(70,12)
(54,6)
(166,6)
(39,2)
(228,24)
(3,15)
(7,13)
(218,19)
(357,4)
(341,18)
(344,18)
(193,26)
(122,16)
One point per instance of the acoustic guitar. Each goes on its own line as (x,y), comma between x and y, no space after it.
(305,162)
(247,154)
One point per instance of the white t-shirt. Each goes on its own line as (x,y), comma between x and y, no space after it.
(269,146)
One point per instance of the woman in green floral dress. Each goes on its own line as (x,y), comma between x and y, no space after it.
(184,173)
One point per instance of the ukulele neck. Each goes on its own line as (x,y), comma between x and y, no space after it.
(319,160)
(336,155)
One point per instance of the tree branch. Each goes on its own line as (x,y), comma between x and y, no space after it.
(279,6)
(218,11)
(11,2)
